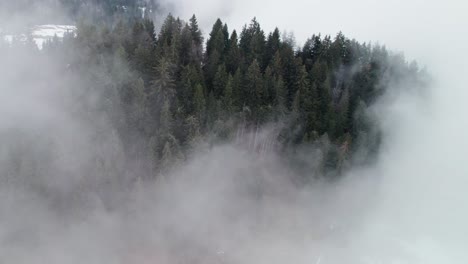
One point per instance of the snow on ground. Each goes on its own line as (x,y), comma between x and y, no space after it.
(41,34)
(143,11)
(52,30)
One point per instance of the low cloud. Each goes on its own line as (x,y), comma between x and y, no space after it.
(59,202)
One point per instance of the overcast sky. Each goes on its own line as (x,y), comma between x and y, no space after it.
(422,200)
(424,162)
(401,25)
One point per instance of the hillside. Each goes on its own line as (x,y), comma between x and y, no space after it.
(167,93)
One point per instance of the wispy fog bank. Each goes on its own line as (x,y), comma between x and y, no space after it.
(60,201)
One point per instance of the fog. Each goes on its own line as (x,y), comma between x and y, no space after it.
(63,203)
(423,176)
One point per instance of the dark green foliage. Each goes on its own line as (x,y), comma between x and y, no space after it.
(252,42)
(233,58)
(227,99)
(220,80)
(173,94)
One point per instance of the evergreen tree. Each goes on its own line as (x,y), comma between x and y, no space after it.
(172,93)
(252,42)
(227,102)
(238,91)
(233,59)
(186,47)
(254,88)
(215,48)
(199,102)
(212,110)
(197,35)
(220,80)
(186,91)
(169,38)
(273,45)
(280,97)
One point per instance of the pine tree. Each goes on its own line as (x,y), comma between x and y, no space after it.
(186,47)
(289,67)
(252,42)
(165,120)
(194,136)
(215,48)
(233,59)
(168,43)
(164,80)
(199,102)
(170,93)
(254,88)
(195,31)
(280,97)
(212,110)
(269,82)
(137,114)
(197,41)
(237,91)
(185,90)
(227,102)
(219,81)
(273,45)
(216,40)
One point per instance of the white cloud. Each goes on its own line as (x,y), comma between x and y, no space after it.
(423,169)
(409,208)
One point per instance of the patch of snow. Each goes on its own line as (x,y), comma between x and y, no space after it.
(49,31)
(41,34)
(40,42)
(143,11)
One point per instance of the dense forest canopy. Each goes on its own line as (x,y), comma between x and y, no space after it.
(132,136)
(171,91)
(141,138)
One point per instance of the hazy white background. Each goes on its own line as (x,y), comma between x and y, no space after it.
(423,201)
(416,213)
(402,25)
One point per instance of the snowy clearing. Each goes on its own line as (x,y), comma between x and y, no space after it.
(41,34)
